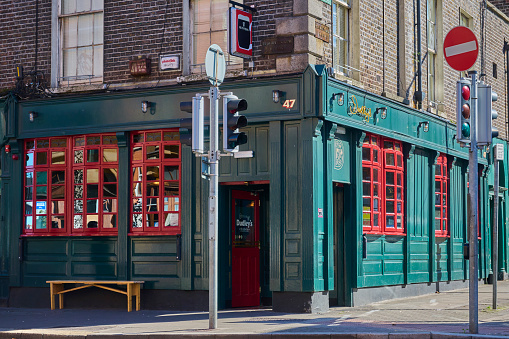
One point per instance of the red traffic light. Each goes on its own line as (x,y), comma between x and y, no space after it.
(465,93)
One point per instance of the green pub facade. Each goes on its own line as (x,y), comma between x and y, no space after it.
(350,198)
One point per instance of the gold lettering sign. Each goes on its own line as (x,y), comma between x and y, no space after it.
(354,109)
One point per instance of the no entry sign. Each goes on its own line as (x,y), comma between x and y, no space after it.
(461,48)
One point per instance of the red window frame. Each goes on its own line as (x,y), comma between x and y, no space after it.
(155,182)
(442,196)
(45,186)
(383,183)
(49,185)
(95,184)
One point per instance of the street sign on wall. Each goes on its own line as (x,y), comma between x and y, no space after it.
(461,48)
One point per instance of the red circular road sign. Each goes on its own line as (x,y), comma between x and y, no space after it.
(461,48)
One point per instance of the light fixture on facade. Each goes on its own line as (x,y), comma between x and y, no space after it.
(32,115)
(382,111)
(144,106)
(339,97)
(277,95)
(7,149)
(425,125)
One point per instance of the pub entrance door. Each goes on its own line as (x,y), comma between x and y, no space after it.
(245,249)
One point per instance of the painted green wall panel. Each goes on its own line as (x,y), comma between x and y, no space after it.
(80,248)
(47,269)
(94,270)
(154,247)
(393,267)
(49,247)
(372,267)
(155,269)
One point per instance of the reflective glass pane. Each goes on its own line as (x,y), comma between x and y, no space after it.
(78,156)
(79,141)
(29,145)
(437,198)
(171,219)
(92,155)
(28,193)
(444,187)
(78,176)
(437,186)
(171,204)
(374,140)
(375,190)
(110,191)
(375,204)
(437,224)
(389,192)
(389,178)
(41,192)
(154,136)
(152,189)
(444,224)
(41,158)
(58,192)
(389,159)
(41,178)
(40,207)
(400,160)
(109,221)
(93,206)
(109,140)
(40,222)
(137,190)
(29,178)
(92,176)
(137,154)
(171,188)
(152,172)
(375,155)
(58,177)
(397,146)
(389,221)
(437,170)
(366,173)
(366,189)
(366,204)
(78,206)
(171,151)
(43,143)
(375,175)
(399,221)
(400,194)
(29,223)
(110,174)
(437,212)
(444,200)
(137,220)
(28,207)
(110,155)
(92,221)
(366,219)
(170,136)
(171,173)
(92,191)
(138,138)
(389,206)
(152,204)
(399,207)
(29,157)
(388,145)
(152,152)
(78,192)
(57,158)
(78,222)
(137,205)
(375,219)
(152,220)
(110,205)
(137,173)
(400,179)
(366,154)
(57,221)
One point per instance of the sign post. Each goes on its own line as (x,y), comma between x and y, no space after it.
(461,50)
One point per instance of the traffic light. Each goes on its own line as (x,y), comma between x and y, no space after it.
(463,101)
(191,129)
(232,121)
(486,114)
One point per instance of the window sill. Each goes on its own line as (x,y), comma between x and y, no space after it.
(153,233)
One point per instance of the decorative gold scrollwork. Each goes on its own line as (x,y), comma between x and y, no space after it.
(354,109)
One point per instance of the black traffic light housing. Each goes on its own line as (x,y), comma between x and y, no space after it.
(232,121)
(192,129)
(463,104)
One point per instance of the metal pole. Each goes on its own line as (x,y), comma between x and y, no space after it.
(494,232)
(473,193)
(213,205)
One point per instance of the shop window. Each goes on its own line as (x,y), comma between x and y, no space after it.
(156,178)
(441,196)
(382,185)
(70,185)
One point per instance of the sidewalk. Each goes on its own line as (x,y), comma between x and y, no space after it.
(441,315)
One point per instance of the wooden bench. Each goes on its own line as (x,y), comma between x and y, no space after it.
(57,287)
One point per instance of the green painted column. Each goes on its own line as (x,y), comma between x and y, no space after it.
(124,195)
(276,206)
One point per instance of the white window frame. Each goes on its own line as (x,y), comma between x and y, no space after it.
(57,62)
(431,24)
(345,69)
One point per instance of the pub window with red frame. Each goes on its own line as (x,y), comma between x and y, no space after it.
(71,185)
(156,182)
(382,185)
(441,196)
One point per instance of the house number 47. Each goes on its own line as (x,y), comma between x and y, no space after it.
(289,103)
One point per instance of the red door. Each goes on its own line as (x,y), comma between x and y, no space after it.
(245,250)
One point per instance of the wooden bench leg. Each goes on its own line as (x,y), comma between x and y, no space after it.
(54,289)
(129,297)
(138,300)
(52,295)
